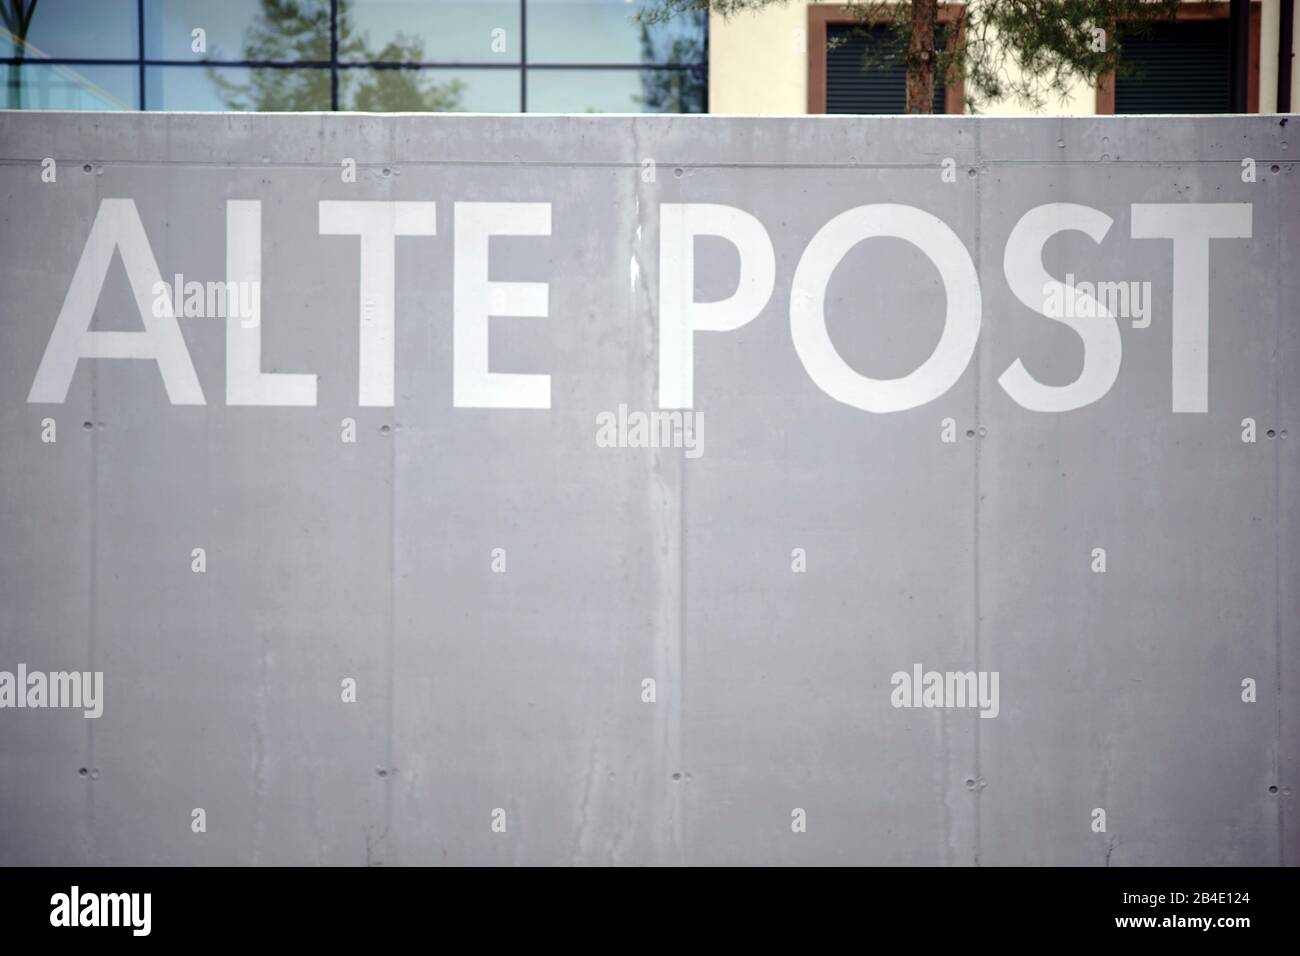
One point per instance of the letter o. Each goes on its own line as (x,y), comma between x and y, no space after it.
(961,325)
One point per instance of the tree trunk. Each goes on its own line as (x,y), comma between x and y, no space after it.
(920,57)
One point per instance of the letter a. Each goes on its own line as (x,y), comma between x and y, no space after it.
(117,226)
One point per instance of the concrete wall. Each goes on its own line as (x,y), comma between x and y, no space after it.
(512,680)
(758,65)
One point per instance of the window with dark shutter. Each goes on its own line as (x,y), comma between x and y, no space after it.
(881,89)
(1181,68)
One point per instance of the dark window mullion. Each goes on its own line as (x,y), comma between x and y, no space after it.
(139,51)
(334,55)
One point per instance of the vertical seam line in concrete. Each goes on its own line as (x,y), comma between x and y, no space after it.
(979,212)
(390,780)
(682,829)
(1277,553)
(392,639)
(94,577)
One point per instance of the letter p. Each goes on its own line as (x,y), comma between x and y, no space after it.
(680,316)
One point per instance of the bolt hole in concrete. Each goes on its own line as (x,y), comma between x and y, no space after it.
(677,776)
(84,772)
(1276,168)
(381,771)
(384,429)
(972,173)
(1271,433)
(387,171)
(679,172)
(970,783)
(970,433)
(1272,789)
(86,168)
(87,426)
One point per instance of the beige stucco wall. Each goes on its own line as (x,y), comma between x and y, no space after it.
(758,64)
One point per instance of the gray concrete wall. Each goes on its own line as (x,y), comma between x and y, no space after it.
(522,691)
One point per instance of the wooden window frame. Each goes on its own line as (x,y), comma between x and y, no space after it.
(1196,11)
(822,16)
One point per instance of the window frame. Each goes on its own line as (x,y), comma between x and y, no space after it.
(334,66)
(822,16)
(1200,12)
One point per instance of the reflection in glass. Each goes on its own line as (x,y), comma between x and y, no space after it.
(616,91)
(67,29)
(605,31)
(257,30)
(236,88)
(276,55)
(428,31)
(44,86)
(429,90)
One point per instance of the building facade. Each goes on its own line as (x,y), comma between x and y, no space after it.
(777,62)
(552,56)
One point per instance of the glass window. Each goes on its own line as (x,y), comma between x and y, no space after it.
(616,91)
(604,32)
(428,31)
(67,29)
(364,55)
(45,86)
(429,90)
(237,30)
(865,73)
(1178,68)
(236,88)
